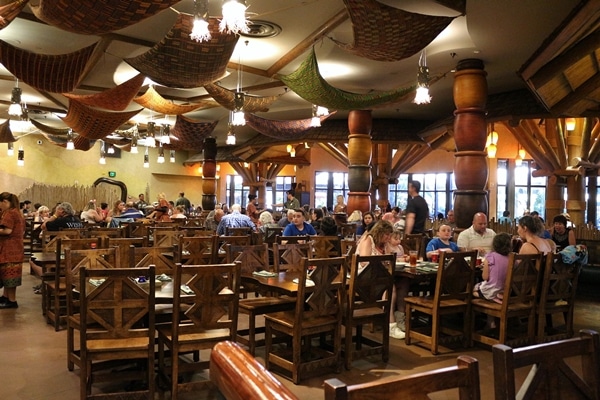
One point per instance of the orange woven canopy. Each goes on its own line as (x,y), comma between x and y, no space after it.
(180,62)
(152,100)
(95,17)
(385,33)
(252,104)
(115,99)
(94,124)
(9,12)
(50,73)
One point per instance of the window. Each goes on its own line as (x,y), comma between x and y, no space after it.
(235,193)
(530,192)
(238,194)
(436,189)
(502,189)
(328,185)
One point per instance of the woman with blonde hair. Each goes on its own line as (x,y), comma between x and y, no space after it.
(90,213)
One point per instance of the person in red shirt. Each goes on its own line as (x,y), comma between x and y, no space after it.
(12,228)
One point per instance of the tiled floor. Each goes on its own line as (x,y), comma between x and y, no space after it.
(34,365)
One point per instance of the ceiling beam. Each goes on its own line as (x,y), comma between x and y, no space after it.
(565,105)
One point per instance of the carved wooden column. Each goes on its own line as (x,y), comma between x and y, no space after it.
(359,158)
(383,159)
(209,173)
(470,165)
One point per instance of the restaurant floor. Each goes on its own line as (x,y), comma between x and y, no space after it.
(33,361)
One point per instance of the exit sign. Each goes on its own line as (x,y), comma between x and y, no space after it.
(112,174)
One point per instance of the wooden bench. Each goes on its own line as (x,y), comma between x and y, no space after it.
(238,375)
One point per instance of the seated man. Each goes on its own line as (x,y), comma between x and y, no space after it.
(299,226)
(478,236)
(286,218)
(131,212)
(64,217)
(212,221)
(235,220)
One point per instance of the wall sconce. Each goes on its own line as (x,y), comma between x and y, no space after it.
(172,156)
(161,155)
(570,124)
(15,109)
(200,170)
(146,159)
(70,144)
(492,142)
(11,149)
(21,157)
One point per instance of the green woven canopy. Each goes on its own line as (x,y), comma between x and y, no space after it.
(308,83)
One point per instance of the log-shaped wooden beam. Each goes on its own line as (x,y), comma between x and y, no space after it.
(537,133)
(531,146)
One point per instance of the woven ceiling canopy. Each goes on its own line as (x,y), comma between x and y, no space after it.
(180,62)
(295,129)
(252,104)
(152,100)
(6,135)
(50,73)
(8,12)
(96,17)
(308,83)
(58,136)
(92,123)
(385,33)
(115,99)
(190,133)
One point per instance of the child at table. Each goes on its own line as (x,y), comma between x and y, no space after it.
(495,267)
(394,246)
(441,242)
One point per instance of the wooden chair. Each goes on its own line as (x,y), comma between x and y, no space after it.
(292,239)
(198,250)
(518,302)
(557,295)
(550,377)
(196,231)
(241,231)
(255,259)
(326,246)
(368,302)
(107,232)
(136,229)
(119,327)
(50,238)
(123,244)
(74,261)
(164,236)
(452,295)
(318,311)
(464,376)
(54,291)
(210,311)
(230,365)
(223,241)
(160,257)
(271,233)
(348,247)
(347,231)
(289,257)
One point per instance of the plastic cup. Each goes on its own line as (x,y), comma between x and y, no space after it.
(412,258)
(435,257)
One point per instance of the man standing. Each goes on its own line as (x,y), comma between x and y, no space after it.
(251,209)
(299,226)
(478,236)
(292,203)
(235,220)
(417,210)
(141,203)
(183,201)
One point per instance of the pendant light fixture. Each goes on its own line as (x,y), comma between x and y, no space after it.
(234,17)
(422,96)
(11,149)
(15,109)
(172,156)
(70,144)
(200,32)
(315,121)
(230,136)
(146,159)
(21,157)
(161,155)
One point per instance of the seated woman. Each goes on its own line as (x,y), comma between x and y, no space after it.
(561,235)
(367,219)
(179,213)
(265,220)
(316,217)
(328,227)
(90,213)
(529,229)
(441,242)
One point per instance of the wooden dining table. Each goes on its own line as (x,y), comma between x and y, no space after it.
(282,283)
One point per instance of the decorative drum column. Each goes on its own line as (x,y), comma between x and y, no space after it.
(470,133)
(359,158)
(209,172)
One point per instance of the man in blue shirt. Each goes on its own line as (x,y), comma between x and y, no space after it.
(235,220)
(298,226)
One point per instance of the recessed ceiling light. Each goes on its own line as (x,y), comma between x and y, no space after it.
(262,29)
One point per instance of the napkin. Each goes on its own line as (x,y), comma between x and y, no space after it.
(163,278)
(96,282)
(186,289)
(264,273)
(309,283)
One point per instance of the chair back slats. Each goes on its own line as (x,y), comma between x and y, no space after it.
(455,276)
(107,232)
(271,233)
(239,231)
(123,244)
(348,231)
(326,297)
(371,282)
(292,239)
(521,279)
(198,250)
(164,236)
(326,246)
(252,258)
(49,239)
(288,257)
(214,301)
(557,295)
(464,376)
(163,258)
(415,242)
(550,377)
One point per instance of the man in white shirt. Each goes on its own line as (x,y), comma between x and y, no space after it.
(478,236)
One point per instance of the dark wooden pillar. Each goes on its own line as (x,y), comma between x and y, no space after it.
(359,159)
(209,173)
